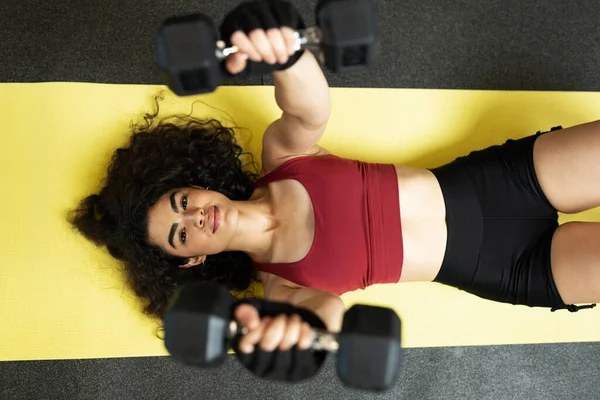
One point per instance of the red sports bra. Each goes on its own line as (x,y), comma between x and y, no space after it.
(358,235)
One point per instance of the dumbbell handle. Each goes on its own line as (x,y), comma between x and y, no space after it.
(305,38)
(323,340)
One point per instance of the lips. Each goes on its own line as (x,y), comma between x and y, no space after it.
(214,218)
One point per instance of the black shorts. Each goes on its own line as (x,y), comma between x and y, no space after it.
(500,226)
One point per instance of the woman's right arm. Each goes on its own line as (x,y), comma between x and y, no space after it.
(328,306)
(284,332)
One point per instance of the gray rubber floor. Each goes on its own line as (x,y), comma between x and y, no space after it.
(528,372)
(471,44)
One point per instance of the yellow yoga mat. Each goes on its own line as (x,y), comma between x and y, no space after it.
(60,297)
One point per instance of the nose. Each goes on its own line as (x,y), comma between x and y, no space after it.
(196,217)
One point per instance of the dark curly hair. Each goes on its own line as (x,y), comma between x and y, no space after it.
(176,151)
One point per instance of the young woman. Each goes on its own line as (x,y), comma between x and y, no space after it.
(180,204)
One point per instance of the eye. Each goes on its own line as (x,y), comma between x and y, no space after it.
(184,202)
(182,235)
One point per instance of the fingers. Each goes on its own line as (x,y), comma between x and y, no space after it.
(274,333)
(244,45)
(249,341)
(290,40)
(291,334)
(306,337)
(236,63)
(278,45)
(271,46)
(247,315)
(280,333)
(285,332)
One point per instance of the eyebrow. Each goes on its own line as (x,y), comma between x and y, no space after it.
(174,226)
(173,203)
(171,234)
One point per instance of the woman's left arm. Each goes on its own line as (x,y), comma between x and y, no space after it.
(301,90)
(302,94)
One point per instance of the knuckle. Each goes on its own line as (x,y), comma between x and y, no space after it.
(273,332)
(263,49)
(272,33)
(306,335)
(247,339)
(283,56)
(287,31)
(307,328)
(239,39)
(275,35)
(263,44)
(257,36)
(238,35)
(255,33)
(269,341)
(278,41)
(286,343)
(277,331)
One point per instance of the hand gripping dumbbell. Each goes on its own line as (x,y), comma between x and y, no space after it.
(199,331)
(190,56)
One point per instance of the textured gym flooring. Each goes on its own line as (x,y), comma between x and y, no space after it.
(460,74)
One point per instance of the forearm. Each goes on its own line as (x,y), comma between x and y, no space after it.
(327,306)
(302,91)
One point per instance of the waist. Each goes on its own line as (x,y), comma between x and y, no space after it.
(423,215)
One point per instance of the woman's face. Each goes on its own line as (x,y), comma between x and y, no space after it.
(192,223)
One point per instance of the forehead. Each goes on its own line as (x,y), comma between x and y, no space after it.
(160,218)
(163,204)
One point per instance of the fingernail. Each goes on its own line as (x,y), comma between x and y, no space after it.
(248,349)
(305,345)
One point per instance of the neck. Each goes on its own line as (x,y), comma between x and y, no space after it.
(256,225)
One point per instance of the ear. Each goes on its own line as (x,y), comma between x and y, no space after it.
(193,261)
(200,187)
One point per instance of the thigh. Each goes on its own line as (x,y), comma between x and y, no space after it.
(575,259)
(514,264)
(568,168)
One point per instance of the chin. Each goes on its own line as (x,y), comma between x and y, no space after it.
(230,217)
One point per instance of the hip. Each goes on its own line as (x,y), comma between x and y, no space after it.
(500,226)
(494,188)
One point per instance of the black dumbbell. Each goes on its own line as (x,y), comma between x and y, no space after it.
(199,331)
(190,56)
